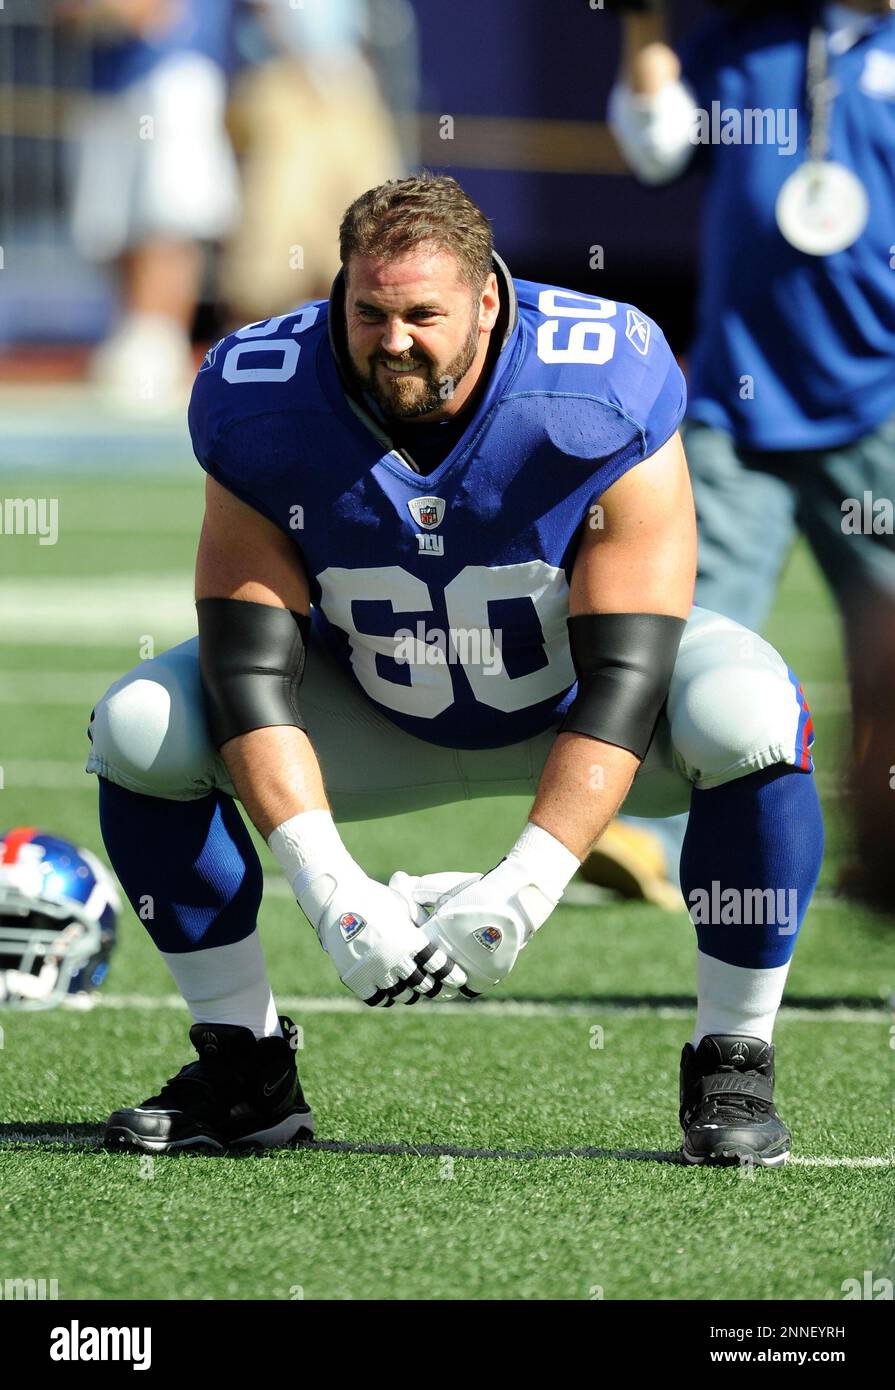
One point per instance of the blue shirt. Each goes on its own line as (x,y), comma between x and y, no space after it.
(444,593)
(815,334)
(199,26)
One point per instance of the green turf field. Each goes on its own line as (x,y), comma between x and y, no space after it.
(522,1148)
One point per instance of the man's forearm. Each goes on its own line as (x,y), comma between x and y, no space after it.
(276,775)
(367,929)
(647,61)
(485,925)
(583,783)
(650,111)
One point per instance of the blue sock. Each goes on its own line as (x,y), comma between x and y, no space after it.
(188,868)
(763,831)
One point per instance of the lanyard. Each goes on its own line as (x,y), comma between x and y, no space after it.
(821,88)
(821,92)
(822,207)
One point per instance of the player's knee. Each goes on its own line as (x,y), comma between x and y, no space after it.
(145,734)
(730,716)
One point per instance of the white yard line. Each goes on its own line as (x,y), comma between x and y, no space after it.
(498,1008)
(63,688)
(42,772)
(819,1161)
(73,687)
(46,775)
(111,608)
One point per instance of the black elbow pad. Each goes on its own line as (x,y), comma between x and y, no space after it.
(252,659)
(624,663)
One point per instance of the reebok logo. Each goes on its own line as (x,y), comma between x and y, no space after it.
(638,332)
(77,1343)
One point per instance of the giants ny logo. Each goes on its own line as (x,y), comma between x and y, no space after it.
(428,512)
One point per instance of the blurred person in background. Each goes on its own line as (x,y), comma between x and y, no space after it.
(154,179)
(872,796)
(790,423)
(312,129)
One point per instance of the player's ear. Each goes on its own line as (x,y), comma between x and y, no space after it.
(489,304)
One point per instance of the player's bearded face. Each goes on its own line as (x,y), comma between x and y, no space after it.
(413,333)
(426,387)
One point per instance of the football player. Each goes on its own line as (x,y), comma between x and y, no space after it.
(448,551)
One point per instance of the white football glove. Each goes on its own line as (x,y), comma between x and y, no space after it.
(424,893)
(369,931)
(484,924)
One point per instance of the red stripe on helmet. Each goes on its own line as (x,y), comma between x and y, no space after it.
(13,841)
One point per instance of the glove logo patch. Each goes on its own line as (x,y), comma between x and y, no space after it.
(351,924)
(489,937)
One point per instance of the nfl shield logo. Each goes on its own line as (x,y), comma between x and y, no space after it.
(350,924)
(489,937)
(427,512)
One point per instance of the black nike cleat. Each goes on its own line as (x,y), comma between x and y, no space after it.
(727,1103)
(242,1094)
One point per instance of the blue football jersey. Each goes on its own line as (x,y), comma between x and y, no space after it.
(444,594)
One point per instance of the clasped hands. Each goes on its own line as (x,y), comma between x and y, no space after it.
(431,936)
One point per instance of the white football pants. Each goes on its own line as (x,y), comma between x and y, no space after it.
(733,708)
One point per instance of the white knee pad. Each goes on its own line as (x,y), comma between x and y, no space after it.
(149,733)
(734,707)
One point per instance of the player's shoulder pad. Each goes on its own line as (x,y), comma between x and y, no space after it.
(610,361)
(253,375)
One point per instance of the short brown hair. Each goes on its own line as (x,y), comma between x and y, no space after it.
(398,217)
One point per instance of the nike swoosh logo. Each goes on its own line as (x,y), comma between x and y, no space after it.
(270,1087)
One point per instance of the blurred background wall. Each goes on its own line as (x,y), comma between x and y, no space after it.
(515,110)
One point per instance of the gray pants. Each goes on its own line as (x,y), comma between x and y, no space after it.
(733,708)
(749,507)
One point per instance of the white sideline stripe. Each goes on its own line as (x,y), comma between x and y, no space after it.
(111,608)
(828,697)
(578,894)
(497,1008)
(44,772)
(73,687)
(819,1161)
(46,775)
(55,687)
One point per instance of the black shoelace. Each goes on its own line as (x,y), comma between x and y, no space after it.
(738,1105)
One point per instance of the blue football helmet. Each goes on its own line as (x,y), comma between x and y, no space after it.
(59,911)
